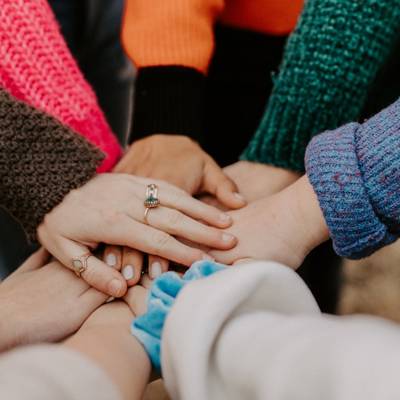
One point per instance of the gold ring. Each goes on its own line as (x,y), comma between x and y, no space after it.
(79,264)
(151,200)
(146,211)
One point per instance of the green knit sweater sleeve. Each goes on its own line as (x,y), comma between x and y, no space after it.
(330,62)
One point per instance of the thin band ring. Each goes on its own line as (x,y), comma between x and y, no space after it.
(79,264)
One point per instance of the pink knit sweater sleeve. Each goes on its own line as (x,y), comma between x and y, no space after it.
(37,68)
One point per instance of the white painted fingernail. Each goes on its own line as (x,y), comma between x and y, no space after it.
(227,238)
(239,197)
(155,270)
(225,217)
(128,272)
(111,260)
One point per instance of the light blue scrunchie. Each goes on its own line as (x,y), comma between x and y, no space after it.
(148,327)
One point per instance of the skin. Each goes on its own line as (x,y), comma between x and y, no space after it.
(109,209)
(182,162)
(283,227)
(256,181)
(43,303)
(106,340)
(253,180)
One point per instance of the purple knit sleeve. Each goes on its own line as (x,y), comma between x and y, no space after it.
(355,172)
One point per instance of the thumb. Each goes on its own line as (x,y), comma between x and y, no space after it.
(221,186)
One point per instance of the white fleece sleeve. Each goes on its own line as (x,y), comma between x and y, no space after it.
(52,372)
(255,332)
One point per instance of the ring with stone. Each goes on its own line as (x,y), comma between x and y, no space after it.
(151,200)
(79,264)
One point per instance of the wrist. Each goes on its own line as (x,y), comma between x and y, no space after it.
(118,353)
(309,214)
(11,334)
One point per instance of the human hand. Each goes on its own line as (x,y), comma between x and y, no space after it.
(283,227)
(182,162)
(43,303)
(257,180)
(109,209)
(131,262)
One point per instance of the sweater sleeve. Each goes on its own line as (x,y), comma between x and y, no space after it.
(330,61)
(355,172)
(254,332)
(171,44)
(49,372)
(41,161)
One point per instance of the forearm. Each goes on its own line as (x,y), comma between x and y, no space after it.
(40,162)
(330,62)
(119,354)
(306,206)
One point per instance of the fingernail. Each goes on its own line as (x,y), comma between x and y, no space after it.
(225,217)
(207,257)
(240,197)
(226,237)
(155,270)
(111,260)
(128,272)
(115,287)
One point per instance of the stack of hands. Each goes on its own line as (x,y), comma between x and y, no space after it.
(246,210)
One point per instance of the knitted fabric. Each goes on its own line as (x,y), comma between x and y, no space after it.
(331,60)
(355,172)
(148,328)
(37,67)
(180,32)
(40,162)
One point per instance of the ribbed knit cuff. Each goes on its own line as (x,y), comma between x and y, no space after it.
(169,99)
(41,161)
(355,172)
(330,62)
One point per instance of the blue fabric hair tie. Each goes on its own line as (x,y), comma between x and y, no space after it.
(148,327)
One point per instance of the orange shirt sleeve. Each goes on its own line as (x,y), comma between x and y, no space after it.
(170,32)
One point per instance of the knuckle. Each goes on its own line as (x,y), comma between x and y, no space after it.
(174,218)
(90,275)
(161,239)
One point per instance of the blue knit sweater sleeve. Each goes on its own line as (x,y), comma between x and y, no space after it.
(355,172)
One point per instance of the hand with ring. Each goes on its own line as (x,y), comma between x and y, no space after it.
(111,209)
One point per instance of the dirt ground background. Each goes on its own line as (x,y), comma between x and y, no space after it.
(370,286)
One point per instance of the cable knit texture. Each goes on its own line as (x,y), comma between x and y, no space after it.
(331,60)
(40,162)
(148,328)
(37,67)
(355,171)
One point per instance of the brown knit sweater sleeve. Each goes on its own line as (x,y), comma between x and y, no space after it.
(40,162)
